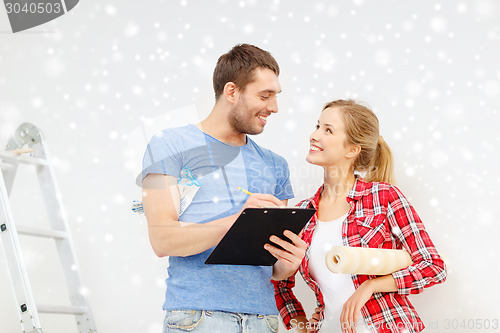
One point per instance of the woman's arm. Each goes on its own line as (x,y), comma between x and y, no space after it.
(288,305)
(428,267)
(351,308)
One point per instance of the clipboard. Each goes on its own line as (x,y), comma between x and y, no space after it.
(244,242)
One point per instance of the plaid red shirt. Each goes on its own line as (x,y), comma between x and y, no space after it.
(380,217)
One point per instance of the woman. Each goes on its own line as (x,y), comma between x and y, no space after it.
(357,212)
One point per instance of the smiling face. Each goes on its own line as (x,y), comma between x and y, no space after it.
(328,143)
(255,103)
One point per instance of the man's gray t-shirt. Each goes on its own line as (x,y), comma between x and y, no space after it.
(217,169)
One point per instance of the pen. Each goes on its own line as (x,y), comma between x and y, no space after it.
(243,190)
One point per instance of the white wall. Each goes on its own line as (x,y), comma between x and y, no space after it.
(429,69)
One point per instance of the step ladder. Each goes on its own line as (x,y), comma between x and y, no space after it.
(29,139)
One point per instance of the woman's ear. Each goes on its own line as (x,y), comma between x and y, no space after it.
(230,92)
(353,151)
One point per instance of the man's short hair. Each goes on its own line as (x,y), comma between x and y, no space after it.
(238,64)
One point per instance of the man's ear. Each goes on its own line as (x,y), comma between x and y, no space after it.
(230,92)
(353,151)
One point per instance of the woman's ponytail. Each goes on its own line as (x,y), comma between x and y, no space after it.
(382,169)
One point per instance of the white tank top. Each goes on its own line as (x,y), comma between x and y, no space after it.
(336,288)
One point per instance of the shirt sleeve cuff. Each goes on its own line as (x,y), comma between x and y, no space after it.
(401,278)
(289,311)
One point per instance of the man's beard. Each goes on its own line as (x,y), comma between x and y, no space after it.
(240,122)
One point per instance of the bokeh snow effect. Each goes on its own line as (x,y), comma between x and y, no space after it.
(102,78)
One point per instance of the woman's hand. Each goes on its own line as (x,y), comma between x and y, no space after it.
(290,258)
(299,324)
(314,321)
(350,310)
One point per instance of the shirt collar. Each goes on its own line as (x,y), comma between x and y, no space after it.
(357,191)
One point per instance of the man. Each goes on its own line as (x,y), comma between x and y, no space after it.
(190,201)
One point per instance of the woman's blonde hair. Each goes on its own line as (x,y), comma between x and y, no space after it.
(362,129)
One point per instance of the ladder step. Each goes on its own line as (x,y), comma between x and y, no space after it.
(64,309)
(24,230)
(7,155)
(5,166)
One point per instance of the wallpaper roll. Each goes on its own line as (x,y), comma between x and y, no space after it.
(358,260)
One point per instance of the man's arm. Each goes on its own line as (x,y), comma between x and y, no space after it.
(168,236)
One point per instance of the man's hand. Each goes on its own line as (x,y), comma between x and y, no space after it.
(259,200)
(290,258)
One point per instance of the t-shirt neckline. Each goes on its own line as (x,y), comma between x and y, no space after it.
(215,139)
(339,219)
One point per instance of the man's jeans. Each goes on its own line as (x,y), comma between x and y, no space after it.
(197,321)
